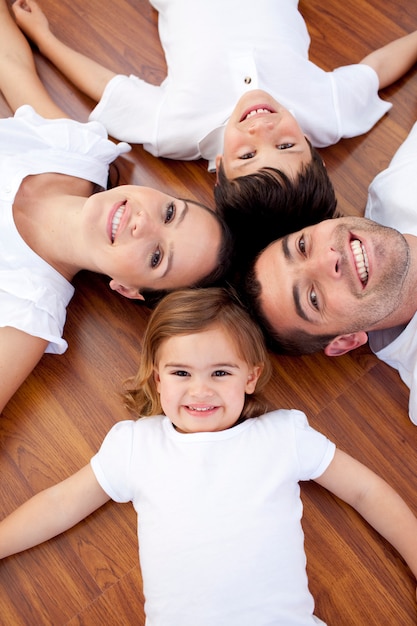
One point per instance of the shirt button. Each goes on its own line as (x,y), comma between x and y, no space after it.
(248,80)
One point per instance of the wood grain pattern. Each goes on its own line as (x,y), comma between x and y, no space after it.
(57,420)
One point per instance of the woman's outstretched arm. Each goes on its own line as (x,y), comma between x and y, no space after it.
(87,75)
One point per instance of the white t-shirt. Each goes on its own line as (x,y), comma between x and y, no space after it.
(392,201)
(219,517)
(33,295)
(215,52)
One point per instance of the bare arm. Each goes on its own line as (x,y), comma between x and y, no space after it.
(19,81)
(51,512)
(87,75)
(376,501)
(19,353)
(393,60)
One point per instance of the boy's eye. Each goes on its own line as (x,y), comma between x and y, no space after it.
(170,212)
(302,245)
(247,155)
(156,258)
(285,146)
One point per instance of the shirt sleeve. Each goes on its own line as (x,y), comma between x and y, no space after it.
(129,109)
(111,465)
(315,451)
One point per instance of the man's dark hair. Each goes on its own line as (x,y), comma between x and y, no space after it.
(267,204)
(295,342)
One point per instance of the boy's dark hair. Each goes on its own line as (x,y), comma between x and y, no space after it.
(266,205)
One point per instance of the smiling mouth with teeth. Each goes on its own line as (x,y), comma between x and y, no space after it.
(116,221)
(200,409)
(361,260)
(253,112)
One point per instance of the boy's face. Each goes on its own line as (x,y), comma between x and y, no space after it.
(262,133)
(202,381)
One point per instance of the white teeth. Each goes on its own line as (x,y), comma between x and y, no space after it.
(116,221)
(361,260)
(256,111)
(202,409)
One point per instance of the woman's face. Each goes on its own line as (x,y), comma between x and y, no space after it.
(145,239)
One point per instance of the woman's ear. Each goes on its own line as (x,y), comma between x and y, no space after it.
(219,158)
(253,378)
(345,343)
(127,292)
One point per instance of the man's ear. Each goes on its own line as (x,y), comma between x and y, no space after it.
(127,292)
(345,343)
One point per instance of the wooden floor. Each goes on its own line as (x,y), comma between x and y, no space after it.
(90,576)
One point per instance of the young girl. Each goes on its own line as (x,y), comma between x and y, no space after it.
(241,92)
(52,226)
(213,478)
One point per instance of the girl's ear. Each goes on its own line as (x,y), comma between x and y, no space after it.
(157,379)
(253,378)
(219,158)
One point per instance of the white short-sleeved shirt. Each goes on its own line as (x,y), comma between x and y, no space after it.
(33,295)
(215,52)
(219,517)
(392,201)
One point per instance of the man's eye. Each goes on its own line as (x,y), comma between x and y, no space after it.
(247,155)
(302,245)
(170,212)
(156,258)
(220,373)
(314,300)
(285,146)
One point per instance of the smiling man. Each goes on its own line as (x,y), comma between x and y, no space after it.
(332,285)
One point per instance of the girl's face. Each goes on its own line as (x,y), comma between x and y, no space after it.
(202,381)
(143,238)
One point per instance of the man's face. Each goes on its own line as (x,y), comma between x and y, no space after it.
(262,133)
(336,277)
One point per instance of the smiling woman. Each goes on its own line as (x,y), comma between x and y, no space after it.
(140,237)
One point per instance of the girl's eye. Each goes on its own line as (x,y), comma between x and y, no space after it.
(220,373)
(285,146)
(247,155)
(180,373)
(156,258)
(302,245)
(170,212)
(314,300)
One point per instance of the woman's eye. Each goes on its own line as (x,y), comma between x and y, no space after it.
(314,300)
(285,146)
(170,213)
(302,245)
(247,155)
(156,258)
(220,373)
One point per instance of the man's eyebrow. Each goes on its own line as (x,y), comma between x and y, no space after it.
(171,252)
(295,290)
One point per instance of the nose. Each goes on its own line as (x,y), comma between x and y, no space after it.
(325,263)
(142,224)
(200,388)
(261,126)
